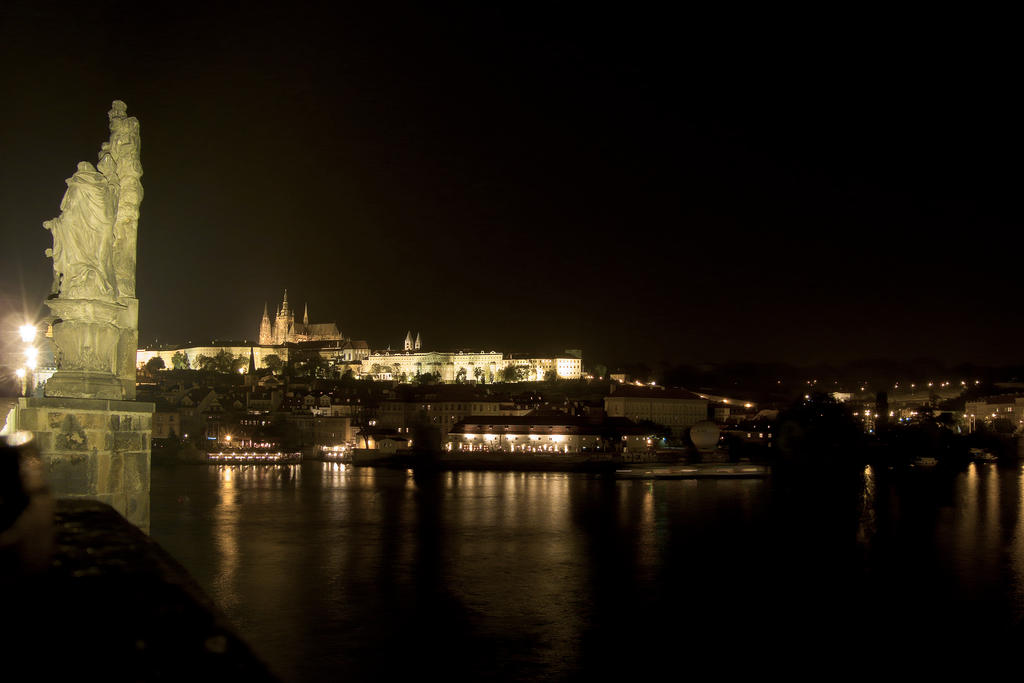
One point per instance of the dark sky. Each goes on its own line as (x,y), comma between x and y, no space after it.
(631,182)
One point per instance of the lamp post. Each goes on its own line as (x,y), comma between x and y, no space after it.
(26,373)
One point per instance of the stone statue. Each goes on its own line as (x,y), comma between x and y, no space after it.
(94,246)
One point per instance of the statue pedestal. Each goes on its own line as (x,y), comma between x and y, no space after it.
(71,384)
(87,335)
(92,448)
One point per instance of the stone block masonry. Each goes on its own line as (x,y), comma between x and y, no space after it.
(96,449)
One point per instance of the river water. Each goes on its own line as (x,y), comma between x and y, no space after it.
(334,572)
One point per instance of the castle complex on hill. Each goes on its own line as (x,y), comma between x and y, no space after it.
(279,335)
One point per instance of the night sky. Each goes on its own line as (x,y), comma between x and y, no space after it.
(638,184)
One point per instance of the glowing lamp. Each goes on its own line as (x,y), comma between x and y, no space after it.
(27,332)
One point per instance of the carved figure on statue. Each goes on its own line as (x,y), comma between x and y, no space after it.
(125,146)
(83,237)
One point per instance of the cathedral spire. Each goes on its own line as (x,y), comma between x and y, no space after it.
(408,341)
(266,329)
(284,304)
(250,377)
(305,314)
(416,346)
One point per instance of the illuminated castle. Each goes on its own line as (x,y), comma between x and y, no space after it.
(283,329)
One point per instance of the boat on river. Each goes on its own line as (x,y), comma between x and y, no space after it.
(983,455)
(694,471)
(253,457)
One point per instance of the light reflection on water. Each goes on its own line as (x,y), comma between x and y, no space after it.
(373,574)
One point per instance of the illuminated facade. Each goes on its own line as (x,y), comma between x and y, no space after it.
(541,435)
(538,369)
(988,409)
(482,367)
(524,435)
(440,410)
(192,353)
(349,351)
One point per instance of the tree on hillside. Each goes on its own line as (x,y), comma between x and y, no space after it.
(179,361)
(155,364)
(273,363)
(312,366)
(514,373)
(223,362)
(240,363)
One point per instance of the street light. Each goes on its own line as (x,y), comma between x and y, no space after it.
(27,332)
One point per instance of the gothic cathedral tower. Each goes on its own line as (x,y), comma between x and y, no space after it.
(285,321)
(280,328)
(266,329)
